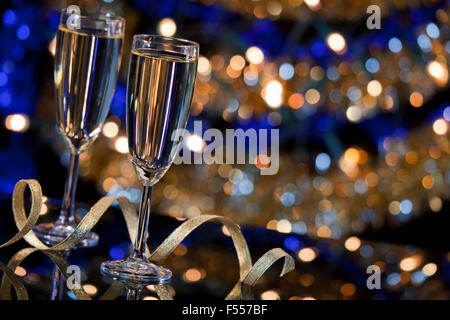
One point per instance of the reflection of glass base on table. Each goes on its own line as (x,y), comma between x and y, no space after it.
(136,272)
(51,234)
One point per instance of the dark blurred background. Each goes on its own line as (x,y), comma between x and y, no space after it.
(363,118)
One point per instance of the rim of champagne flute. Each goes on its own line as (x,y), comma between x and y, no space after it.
(95,16)
(181,42)
(172,41)
(169,45)
(117,21)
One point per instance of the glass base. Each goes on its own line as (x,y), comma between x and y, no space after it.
(51,234)
(135,272)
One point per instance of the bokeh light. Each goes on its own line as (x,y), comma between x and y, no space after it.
(395,45)
(429,269)
(374,88)
(312,96)
(237,62)
(167,27)
(313,4)
(416,99)
(352,243)
(438,71)
(307,254)
(195,143)
(192,275)
(17,122)
(440,126)
(204,66)
(336,42)
(121,144)
(354,113)
(410,263)
(272,94)
(110,129)
(254,55)
(270,295)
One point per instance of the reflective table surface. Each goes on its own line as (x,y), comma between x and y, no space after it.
(205,265)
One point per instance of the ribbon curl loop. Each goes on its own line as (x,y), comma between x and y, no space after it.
(248,274)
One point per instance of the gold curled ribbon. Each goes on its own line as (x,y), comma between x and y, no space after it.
(16,282)
(248,274)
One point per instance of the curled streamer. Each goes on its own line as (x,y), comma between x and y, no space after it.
(248,274)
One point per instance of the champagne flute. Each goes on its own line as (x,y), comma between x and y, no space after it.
(87,59)
(161,80)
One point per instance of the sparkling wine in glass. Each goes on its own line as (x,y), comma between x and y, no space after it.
(87,60)
(161,80)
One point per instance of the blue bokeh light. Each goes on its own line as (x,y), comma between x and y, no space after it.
(8,66)
(251,81)
(245,187)
(424,43)
(406,206)
(318,49)
(372,65)
(446,113)
(361,186)
(5,99)
(23,32)
(299,227)
(3,79)
(292,243)
(393,279)
(354,93)
(433,30)
(9,18)
(71,295)
(333,73)
(323,161)
(286,71)
(116,253)
(418,277)
(395,45)
(366,251)
(287,199)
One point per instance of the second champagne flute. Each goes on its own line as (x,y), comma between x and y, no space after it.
(87,59)
(161,82)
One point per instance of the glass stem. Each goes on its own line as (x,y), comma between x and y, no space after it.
(58,280)
(66,216)
(133,294)
(57,285)
(144,215)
